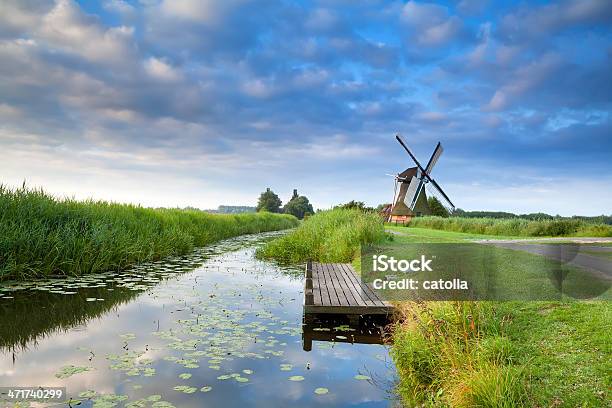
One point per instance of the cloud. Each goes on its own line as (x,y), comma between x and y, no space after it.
(201,91)
(66,28)
(431,24)
(548,19)
(160,69)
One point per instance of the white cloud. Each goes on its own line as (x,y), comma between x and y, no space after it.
(524,79)
(208,12)
(160,69)
(119,6)
(431,24)
(67,28)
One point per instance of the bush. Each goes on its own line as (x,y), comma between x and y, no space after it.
(41,235)
(328,236)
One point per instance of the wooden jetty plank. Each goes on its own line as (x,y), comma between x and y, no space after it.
(331,287)
(352,297)
(353,284)
(366,288)
(342,296)
(367,294)
(342,292)
(316,289)
(320,279)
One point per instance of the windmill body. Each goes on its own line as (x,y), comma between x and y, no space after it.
(407,185)
(410,199)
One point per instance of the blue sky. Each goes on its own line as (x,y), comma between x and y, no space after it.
(201,103)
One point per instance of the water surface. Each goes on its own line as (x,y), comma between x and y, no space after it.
(214,328)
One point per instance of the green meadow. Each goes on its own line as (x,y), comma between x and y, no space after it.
(42,236)
(502,354)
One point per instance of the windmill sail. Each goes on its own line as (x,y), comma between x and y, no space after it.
(434,158)
(422,177)
(412,192)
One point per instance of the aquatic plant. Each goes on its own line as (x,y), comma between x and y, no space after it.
(328,236)
(41,235)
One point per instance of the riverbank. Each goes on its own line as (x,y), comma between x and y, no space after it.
(504,354)
(42,236)
(328,236)
(519,353)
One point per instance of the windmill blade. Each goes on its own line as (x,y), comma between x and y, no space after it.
(419,188)
(412,193)
(401,141)
(439,189)
(434,158)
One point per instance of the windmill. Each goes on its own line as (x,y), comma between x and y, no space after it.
(411,199)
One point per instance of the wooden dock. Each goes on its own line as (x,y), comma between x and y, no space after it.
(335,288)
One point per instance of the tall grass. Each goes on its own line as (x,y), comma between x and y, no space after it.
(328,236)
(456,354)
(42,236)
(515,227)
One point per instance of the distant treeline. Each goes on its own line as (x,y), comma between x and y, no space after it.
(599,219)
(235,209)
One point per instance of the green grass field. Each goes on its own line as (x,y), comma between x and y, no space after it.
(502,354)
(43,236)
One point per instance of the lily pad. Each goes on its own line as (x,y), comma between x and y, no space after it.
(362,377)
(321,391)
(206,389)
(185,376)
(70,370)
(296,378)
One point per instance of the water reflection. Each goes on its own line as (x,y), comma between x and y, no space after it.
(227,333)
(371,330)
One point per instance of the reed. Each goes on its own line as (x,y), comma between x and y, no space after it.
(328,236)
(515,226)
(41,235)
(456,354)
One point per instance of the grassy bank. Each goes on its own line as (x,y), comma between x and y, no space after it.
(328,236)
(43,236)
(456,354)
(514,227)
(501,354)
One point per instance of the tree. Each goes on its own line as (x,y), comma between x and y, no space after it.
(269,201)
(298,206)
(436,207)
(381,207)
